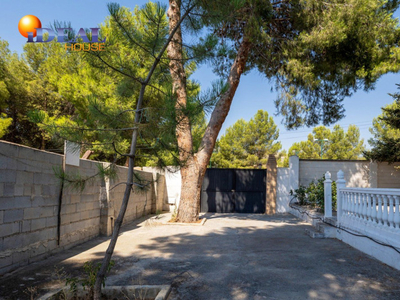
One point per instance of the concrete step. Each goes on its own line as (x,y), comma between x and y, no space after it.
(315,234)
(327,230)
(332,221)
(322,231)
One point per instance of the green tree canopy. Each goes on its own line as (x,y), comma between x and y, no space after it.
(102,100)
(386,134)
(339,144)
(14,99)
(247,144)
(317,52)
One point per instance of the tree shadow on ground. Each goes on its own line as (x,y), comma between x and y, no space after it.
(237,257)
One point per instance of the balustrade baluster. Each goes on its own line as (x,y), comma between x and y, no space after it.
(344,204)
(352,206)
(391,213)
(364,206)
(385,210)
(373,209)
(397,213)
(368,207)
(379,215)
(355,206)
(358,206)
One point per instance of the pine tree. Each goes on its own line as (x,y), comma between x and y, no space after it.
(317,52)
(335,144)
(122,91)
(247,144)
(386,130)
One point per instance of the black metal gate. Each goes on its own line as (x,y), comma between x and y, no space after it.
(234,190)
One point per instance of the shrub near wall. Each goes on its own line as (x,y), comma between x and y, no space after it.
(313,194)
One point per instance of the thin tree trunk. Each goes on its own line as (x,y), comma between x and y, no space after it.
(118,222)
(131,156)
(195,165)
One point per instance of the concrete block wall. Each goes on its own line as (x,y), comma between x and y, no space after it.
(29,192)
(29,203)
(356,172)
(388,175)
(161,191)
(141,202)
(80,210)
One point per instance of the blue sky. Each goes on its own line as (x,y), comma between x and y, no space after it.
(254,91)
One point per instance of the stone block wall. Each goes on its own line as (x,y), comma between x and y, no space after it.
(141,202)
(80,210)
(29,204)
(356,171)
(29,192)
(388,175)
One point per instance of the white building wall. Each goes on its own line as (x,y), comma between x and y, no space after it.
(282,191)
(173,183)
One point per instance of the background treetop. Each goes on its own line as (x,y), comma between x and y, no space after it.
(247,144)
(386,134)
(316,52)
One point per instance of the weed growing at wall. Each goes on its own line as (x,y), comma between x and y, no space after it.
(89,279)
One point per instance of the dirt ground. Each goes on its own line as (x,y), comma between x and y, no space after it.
(232,256)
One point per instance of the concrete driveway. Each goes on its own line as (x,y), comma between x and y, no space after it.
(233,256)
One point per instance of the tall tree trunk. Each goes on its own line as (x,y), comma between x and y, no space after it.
(195,165)
(188,210)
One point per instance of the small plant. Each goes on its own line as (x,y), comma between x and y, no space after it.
(61,276)
(300,194)
(88,282)
(31,292)
(314,194)
(174,215)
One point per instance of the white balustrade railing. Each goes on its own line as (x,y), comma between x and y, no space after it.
(369,211)
(377,207)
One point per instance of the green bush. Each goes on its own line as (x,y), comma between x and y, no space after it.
(314,194)
(300,195)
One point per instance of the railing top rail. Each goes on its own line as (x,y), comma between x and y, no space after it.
(395,192)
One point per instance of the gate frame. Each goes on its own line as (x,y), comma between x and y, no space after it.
(272,173)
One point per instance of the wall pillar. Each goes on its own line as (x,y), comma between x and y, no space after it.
(328,195)
(106,209)
(340,183)
(373,174)
(294,165)
(272,171)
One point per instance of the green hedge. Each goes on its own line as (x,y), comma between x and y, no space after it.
(314,194)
